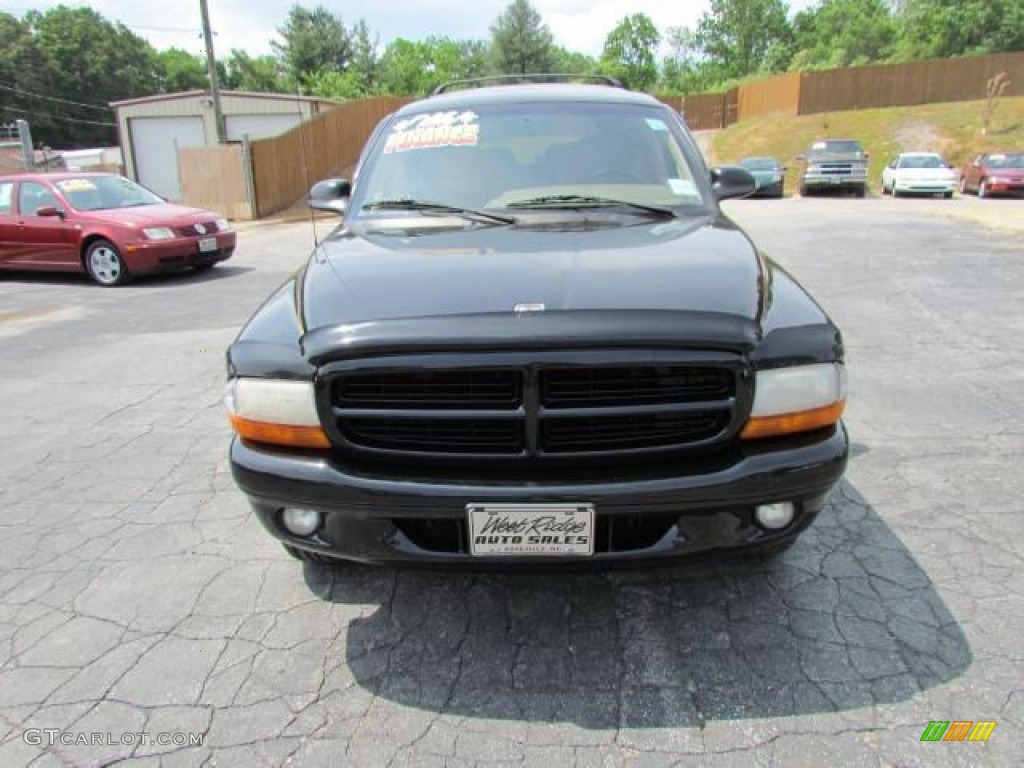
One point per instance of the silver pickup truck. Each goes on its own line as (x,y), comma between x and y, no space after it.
(835,164)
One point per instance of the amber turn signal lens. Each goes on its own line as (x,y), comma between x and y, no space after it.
(280,434)
(791,423)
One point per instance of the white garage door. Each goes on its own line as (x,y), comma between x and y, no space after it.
(155,141)
(259,126)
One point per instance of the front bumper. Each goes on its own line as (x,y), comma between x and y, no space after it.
(1014,187)
(681,509)
(925,187)
(163,255)
(833,181)
(769,189)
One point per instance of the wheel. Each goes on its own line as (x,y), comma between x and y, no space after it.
(862,190)
(948,195)
(885,189)
(983,188)
(803,190)
(308,557)
(963,185)
(104,264)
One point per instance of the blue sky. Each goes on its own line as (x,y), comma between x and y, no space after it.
(251,24)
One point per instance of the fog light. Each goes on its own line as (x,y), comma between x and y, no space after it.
(301,522)
(775,516)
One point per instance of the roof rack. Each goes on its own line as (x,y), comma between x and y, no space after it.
(545,77)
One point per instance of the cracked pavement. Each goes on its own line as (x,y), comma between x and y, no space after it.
(138,593)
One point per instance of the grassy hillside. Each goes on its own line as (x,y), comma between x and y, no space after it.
(954,130)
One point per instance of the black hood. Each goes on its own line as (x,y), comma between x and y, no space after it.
(685,265)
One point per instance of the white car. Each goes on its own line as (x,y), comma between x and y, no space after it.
(919,173)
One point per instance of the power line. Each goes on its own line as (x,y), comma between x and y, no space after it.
(56,117)
(12,89)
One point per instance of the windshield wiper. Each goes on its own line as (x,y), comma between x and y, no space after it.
(408,204)
(586,201)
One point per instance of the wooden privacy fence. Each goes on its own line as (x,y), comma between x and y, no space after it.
(916,82)
(214,178)
(836,90)
(284,167)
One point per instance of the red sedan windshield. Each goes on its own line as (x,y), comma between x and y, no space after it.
(100,193)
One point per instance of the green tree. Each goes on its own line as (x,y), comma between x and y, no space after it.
(683,70)
(940,28)
(841,33)
(521,41)
(86,58)
(365,62)
(630,50)
(736,35)
(569,62)
(312,40)
(410,68)
(255,73)
(179,70)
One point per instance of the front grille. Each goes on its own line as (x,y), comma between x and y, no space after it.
(430,389)
(629,433)
(191,231)
(530,411)
(591,387)
(436,435)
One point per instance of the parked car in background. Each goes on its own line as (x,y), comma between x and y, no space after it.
(918,173)
(769,174)
(105,225)
(995,173)
(536,339)
(835,164)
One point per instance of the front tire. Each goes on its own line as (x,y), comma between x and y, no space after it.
(104,264)
(983,188)
(862,190)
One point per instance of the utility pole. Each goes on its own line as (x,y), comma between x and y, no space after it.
(211,68)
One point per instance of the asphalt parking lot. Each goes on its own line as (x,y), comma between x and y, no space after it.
(138,594)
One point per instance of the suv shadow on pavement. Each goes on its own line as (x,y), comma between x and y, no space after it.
(845,619)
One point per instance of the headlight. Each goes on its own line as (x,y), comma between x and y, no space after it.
(223,225)
(276,411)
(159,233)
(796,399)
(999,180)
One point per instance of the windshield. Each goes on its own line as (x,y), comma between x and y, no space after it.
(500,156)
(100,193)
(922,161)
(835,148)
(1005,161)
(759,164)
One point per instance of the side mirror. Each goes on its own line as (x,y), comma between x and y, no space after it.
(50,211)
(731,181)
(330,195)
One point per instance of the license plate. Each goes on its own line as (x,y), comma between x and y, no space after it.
(531,530)
(208,244)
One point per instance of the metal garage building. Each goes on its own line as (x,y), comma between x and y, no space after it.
(152,129)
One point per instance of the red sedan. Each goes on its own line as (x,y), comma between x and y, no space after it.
(104,224)
(997,173)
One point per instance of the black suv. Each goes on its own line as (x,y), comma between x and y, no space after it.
(536,340)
